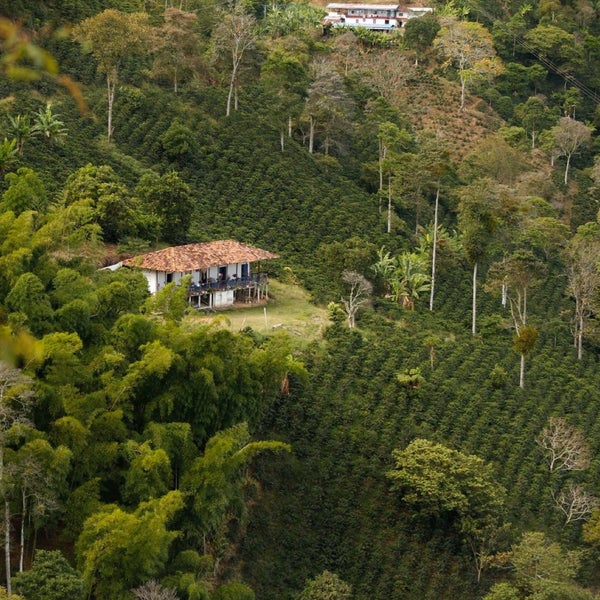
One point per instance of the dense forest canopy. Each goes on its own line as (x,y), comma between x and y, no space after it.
(436,189)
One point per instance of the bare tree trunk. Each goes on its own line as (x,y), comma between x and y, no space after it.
(522,372)
(389,215)
(381,158)
(7,545)
(23,513)
(580,338)
(434,248)
(290,126)
(567,168)
(474,322)
(311,135)
(111,86)
(230,93)
(282,139)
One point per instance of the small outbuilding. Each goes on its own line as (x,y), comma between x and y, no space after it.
(222,272)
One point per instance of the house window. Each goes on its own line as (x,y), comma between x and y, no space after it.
(169,277)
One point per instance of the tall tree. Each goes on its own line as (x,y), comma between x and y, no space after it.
(168,197)
(540,563)
(285,75)
(26,191)
(535,116)
(568,137)
(515,274)
(112,36)
(470,48)
(583,278)
(478,221)
(439,481)
(176,47)
(233,38)
(420,33)
(51,577)
(118,550)
(215,483)
(359,294)
(16,400)
(565,446)
(328,106)
(434,159)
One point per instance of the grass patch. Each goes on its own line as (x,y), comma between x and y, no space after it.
(289,308)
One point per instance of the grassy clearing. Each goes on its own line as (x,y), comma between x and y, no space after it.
(289,308)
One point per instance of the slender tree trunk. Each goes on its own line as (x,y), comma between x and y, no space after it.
(463,86)
(389,215)
(7,545)
(311,135)
(578,317)
(111,86)
(290,126)
(580,338)
(522,372)
(567,168)
(282,139)
(23,513)
(6,524)
(381,158)
(230,93)
(474,321)
(434,248)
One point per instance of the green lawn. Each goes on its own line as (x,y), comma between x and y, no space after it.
(288,308)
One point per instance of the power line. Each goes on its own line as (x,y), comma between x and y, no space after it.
(568,77)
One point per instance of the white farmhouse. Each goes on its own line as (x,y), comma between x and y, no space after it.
(222,272)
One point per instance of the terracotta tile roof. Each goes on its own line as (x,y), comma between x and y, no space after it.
(198,256)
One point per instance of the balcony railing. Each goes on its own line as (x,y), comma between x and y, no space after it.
(234,283)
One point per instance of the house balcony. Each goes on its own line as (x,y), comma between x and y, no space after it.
(215,294)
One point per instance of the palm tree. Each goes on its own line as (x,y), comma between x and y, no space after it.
(21,129)
(405,276)
(8,154)
(410,279)
(49,125)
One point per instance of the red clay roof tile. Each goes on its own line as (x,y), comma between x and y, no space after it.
(180,259)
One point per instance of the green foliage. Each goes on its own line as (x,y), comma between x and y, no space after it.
(326,586)
(149,474)
(502,591)
(215,482)
(524,341)
(437,480)
(125,391)
(169,198)
(117,550)
(233,591)
(541,564)
(50,577)
(25,192)
(28,297)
